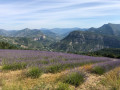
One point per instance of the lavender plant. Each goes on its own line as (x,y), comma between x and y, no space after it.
(75,78)
(101,68)
(47,61)
(34,72)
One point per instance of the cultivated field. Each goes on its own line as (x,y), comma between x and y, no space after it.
(42,70)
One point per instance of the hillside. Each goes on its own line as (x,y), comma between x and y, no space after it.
(51,34)
(107,29)
(39,43)
(82,41)
(29,33)
(29,38)
(62,39)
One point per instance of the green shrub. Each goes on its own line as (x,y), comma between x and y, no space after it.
(34,72)
(75,78)
(63,86)
(14,66)
(54,68)
(98,70)
(44,62)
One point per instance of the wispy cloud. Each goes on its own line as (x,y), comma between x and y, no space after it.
(17,14)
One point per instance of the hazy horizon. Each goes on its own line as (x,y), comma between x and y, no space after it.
(20,14)
(56,27)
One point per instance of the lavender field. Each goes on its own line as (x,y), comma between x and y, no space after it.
(44,59)
(34,70)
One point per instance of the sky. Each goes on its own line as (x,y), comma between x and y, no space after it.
(36,14)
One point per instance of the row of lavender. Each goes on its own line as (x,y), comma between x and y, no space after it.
(45,60)
(101,68)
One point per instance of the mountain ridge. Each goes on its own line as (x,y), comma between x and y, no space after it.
(107,29)
(86,41)
(82,40)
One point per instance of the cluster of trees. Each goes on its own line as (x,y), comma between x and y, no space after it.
(108,52)
(5,45)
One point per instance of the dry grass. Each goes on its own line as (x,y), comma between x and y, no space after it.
(87,67)
(15,80)
(112,79)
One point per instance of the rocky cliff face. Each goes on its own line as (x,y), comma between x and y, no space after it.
(82,41)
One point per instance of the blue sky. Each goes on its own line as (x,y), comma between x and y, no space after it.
(19,14)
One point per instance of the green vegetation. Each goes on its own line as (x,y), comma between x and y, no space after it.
(34,72)
(5,45)
(14,66)
(59,67)
(108,52)
(75,78)
(98,70)
(63,86)
(54,68)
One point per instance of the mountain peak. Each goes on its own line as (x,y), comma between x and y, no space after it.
(27,29)
(110,23)
(107,29)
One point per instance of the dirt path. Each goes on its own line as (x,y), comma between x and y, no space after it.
(92,83)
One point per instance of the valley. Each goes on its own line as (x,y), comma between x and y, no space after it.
(71,40)
(45,60)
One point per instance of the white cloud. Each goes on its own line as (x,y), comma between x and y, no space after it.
(54,13)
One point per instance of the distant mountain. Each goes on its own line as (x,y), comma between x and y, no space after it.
(51,34)
(84,41)
(27,33)
(4,32)
(56,33)
(64,31)
(106,36)
(107,29)
(29,38)
(65,39)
